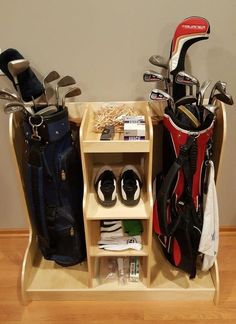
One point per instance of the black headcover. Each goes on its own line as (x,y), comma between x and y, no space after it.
(29,84)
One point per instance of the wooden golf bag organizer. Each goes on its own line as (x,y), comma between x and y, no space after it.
(42,279)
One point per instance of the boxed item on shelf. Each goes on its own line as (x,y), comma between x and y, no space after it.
(134,128)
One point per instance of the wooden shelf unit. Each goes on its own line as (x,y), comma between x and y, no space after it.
(44,280)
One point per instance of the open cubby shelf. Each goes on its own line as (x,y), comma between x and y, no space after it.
(44,280)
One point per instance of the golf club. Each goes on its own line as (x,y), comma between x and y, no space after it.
(69,94)
(50,77)
(6,94)
(12,106)
(64,82)
(187,79)
(47,111)
(157,60)
(158,94)
(219,86)
(186,100)
(202,91)
(152,76)
(15,68)
(224,97)
(9,108)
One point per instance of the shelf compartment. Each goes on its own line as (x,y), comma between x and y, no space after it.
(94,236)
(95,211)
(101,269)
(90,140)
(170,280)
(115,287)
(115,146)
(46,275)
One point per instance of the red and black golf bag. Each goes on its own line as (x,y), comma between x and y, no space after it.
(178,208)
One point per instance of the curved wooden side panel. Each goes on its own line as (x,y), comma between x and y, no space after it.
(216,280)
(86,167)
(17,145)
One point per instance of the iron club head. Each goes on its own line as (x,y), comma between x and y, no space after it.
(187,79)
(50,77)
(71,93)
(158,94)
(8,95)
(14,106)
(64,82)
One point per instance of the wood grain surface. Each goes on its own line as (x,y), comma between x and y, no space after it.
(12,248)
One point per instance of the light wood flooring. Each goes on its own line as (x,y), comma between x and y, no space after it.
(11,311)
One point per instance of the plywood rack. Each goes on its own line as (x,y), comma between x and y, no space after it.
(44,280)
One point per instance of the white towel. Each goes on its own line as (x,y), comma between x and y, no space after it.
(121,243)
(111,229)
(210,232)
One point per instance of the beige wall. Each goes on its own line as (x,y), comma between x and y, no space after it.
(106,44)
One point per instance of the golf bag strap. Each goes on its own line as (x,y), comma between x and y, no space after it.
(165,226)
(36,167)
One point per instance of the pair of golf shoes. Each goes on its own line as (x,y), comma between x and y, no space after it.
(130,184)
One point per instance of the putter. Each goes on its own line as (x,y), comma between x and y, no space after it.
(158,94)
(69,94)
(64,82)
(15,68)
(50,77)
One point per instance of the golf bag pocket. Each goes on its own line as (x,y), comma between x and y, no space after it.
(178,207)
(54,190)
(66,240)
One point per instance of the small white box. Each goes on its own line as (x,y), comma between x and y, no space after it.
(134,128)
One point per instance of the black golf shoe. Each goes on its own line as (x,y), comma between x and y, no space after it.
(105,186)
(130,185)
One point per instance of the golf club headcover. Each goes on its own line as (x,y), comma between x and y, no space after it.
(29,84)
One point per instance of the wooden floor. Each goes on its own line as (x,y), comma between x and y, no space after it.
(11,311)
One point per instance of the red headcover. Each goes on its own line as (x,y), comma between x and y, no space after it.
(189,30)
